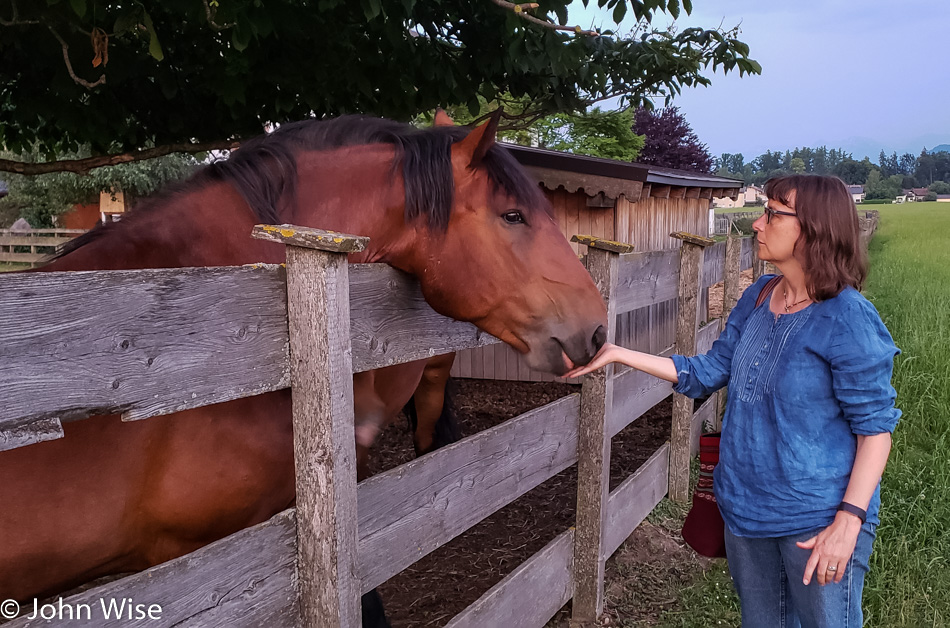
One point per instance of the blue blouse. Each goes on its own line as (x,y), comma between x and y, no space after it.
(801,387)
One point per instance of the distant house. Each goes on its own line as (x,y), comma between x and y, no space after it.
(943,198)
(754,195)
(912,195)
(857,192)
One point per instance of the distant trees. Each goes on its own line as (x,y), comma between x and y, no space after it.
(670,142)
(885,179)
(931,167)
(854,172)
(877,186)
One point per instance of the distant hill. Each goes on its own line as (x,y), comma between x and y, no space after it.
(943,148)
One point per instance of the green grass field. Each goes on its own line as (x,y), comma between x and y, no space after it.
(909,583)
(8,266)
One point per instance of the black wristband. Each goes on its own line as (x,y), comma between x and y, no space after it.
(860,513)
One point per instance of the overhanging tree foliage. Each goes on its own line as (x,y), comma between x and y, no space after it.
(122,76)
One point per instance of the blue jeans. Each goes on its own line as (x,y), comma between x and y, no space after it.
(768,577)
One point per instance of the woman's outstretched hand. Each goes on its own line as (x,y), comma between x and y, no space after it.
(607,354)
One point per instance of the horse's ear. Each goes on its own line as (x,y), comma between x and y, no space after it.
(442,118)
(476,144)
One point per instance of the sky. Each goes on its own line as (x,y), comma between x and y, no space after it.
(861,75)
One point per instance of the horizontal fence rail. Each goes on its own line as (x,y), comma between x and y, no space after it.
(149,342)
(49,240)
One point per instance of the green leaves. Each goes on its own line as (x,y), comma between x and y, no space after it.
(282,59)
(154,47)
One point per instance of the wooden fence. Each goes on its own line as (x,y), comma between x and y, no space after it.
(41,243)
(309,566)
(722,221)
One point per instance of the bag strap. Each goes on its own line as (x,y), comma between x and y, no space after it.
(767,290)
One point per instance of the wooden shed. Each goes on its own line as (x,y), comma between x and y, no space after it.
(615,200)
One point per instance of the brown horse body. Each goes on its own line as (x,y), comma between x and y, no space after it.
(112,497)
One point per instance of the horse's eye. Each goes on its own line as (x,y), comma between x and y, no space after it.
(513,217)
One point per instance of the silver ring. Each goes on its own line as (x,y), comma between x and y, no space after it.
(832,568)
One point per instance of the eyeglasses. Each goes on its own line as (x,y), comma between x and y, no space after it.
(769,212)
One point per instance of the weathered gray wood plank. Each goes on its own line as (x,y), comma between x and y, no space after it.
(139,342)
(707,335)
(636,497)
(646,278)
(324,441)
(36,432)
(593,462)
(151,342)
(392,323)
(705,415)
(530,595)
(310,238)
(25,240)
(713,257)
(747,256)
(636,392)
(409,511)
(243,580)
(686,320)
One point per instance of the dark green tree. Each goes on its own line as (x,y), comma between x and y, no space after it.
(191,75)
(890,165)
(854,172)
(907,164)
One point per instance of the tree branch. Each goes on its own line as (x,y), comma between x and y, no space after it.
(15,19)
(69,66)
(519,10)
(83,166)
(211,13)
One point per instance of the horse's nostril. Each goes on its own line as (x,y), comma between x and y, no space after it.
(599,338)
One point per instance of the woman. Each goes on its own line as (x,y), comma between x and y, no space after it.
(807,428)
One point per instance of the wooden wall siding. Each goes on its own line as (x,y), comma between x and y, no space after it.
(647,225)
(500,361)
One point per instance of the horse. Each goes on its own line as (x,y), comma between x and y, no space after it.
(445,204)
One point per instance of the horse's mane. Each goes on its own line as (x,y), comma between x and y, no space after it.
(264,169)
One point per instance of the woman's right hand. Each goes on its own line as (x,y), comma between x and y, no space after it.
(607,354)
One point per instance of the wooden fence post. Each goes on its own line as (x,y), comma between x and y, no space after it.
(318,305)
(593,450)
(731,290)
(687,319)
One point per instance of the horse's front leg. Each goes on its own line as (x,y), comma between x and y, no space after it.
(369,413)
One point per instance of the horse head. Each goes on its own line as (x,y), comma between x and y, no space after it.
(503,264)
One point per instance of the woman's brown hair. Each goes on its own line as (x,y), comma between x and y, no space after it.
(830,244)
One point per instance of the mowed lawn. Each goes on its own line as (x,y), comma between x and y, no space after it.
(909,583)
